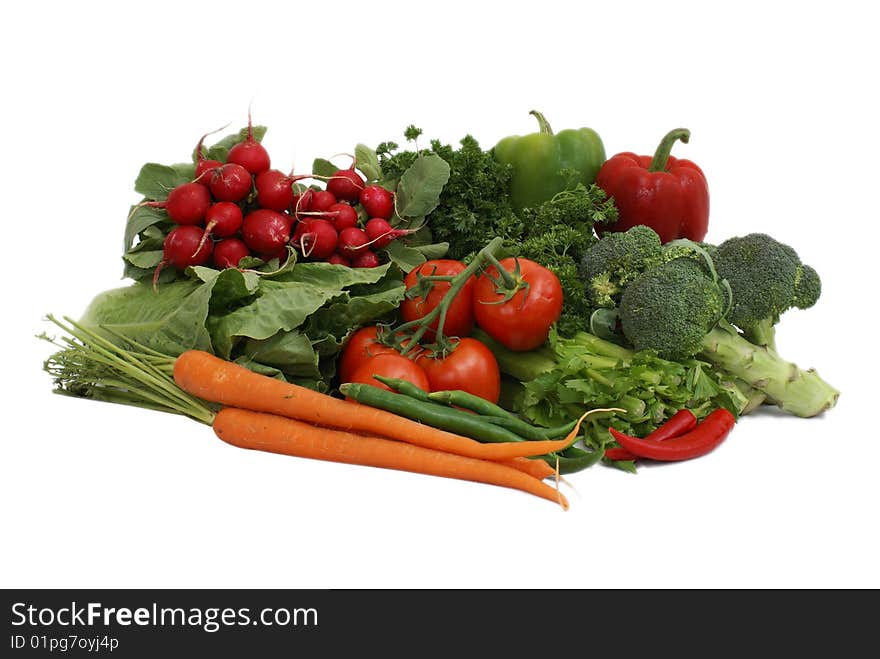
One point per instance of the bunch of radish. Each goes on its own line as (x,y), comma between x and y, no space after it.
(244,208)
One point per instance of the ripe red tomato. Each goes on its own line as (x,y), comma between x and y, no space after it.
(460,315)
(522,322)
(361,346)
(471,367)
(391,365)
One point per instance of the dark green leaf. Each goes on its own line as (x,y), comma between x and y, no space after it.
(170,319)
(433,250)
(155,181)
(290,352)
(367,162)
(418,191)
(323,167)
(337,318)
(405,258)
(139,219)
(279,307)
(144,259)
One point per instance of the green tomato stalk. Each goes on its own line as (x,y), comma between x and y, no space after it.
(412,332)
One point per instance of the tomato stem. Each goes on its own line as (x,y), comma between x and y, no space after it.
(419,326)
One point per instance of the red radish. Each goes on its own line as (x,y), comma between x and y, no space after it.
(231,182)
(346,184)
(229,251)
(365,259)
(343,216)
(351,241)
(301,227)
(377,201)
(302,203)
(205,170)
(204,166)
(250,154)
(223,219)
(318,240)
(265,231)
(186,204)
(338,259)
(183,247)
(274,190)
(381,234)
(322,200)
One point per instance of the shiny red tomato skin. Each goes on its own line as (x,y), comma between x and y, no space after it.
(361,346)
(470,367)
(460,315)
(390,365)
(523,322)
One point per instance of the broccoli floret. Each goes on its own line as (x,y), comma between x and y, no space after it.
(687,248)
(693,303)
(677,310)
(767,279)
(616,260)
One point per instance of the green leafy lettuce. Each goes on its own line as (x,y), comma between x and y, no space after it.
(289,324)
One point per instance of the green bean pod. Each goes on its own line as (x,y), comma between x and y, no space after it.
(405,387)
(574,459)
(528,431)
(432,414)
(487,410)
(471,402)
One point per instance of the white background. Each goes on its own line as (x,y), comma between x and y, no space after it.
(780,100)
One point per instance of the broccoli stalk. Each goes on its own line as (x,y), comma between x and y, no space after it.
(679,310)
(799,392)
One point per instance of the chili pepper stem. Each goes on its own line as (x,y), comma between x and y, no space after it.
(661,155)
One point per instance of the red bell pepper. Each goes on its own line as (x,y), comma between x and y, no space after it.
(668,194)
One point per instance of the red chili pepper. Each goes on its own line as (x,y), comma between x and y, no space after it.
(678,424)
(708,434)
(667,194)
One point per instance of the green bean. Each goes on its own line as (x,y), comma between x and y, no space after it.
(574,459)
(471,402)
(405,387)
(528,431)
(487,410)
(498,415)
(432,414)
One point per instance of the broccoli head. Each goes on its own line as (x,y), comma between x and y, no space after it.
(671,307)
(677,309)
(684,247)
(616,260)
(767,279)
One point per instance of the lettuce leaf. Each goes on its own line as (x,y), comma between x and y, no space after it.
(289,323)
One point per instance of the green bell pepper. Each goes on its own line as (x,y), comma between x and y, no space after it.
(538,161)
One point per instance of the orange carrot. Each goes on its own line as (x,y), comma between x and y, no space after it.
(533,467)
(220,381)
(277,434)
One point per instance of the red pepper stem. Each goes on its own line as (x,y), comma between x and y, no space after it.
(661,155)
(543,124)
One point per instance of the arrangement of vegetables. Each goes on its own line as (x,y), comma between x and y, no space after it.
(502,316)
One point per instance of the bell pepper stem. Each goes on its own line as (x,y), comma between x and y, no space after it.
(661,155)
(543,124)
